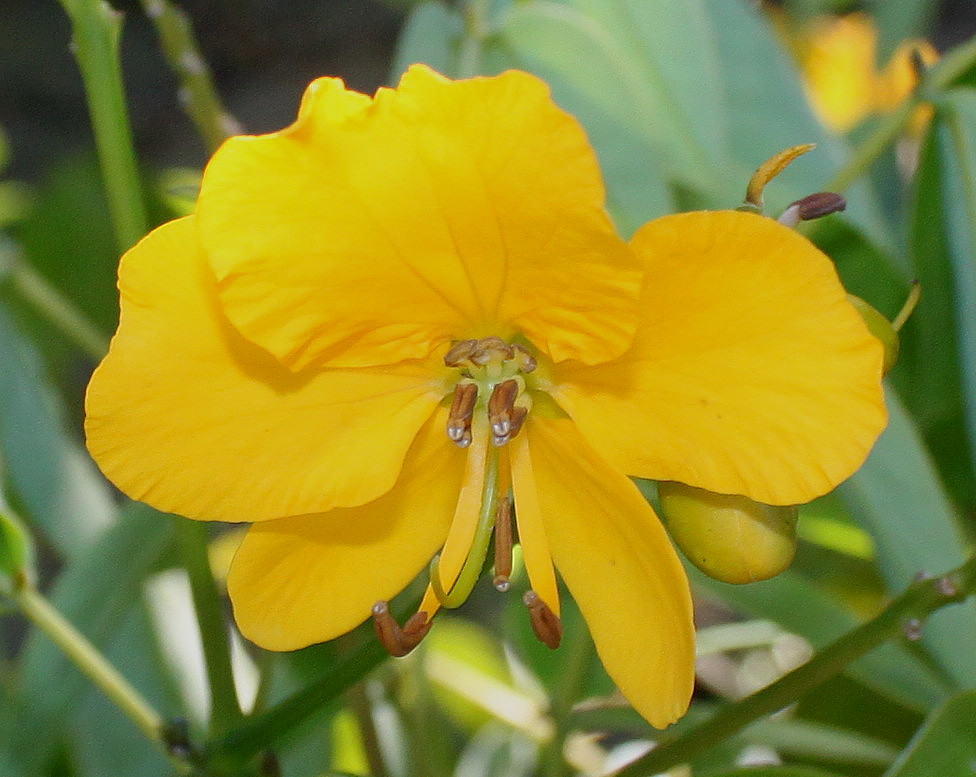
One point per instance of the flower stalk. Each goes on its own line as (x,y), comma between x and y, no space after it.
(225,710)
(197,92)
(90,661)
(95,29)
(907,611)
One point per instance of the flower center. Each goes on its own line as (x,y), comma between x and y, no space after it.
(491,382)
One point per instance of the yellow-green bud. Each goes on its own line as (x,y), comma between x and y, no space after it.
(881,328)
(728,536)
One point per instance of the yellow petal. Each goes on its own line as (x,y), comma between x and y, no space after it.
(371,230)
(619,565)
(297,581)
(750,374)
(188,416)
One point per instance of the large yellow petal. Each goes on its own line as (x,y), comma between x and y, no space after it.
(297,581)
(618,563)
(371,230)
(750,374)
(188,416)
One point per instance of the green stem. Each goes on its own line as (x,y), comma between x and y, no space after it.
(95,28)
(920,600)
(197,92)
(225,710)
(260,732)
(84,655)
(953,66)
(35,289)
(363,709)
(574,666)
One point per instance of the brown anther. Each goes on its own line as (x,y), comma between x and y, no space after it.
(815,206)
(503,545)
(458,353)
(490,349)
(523,358)
(459,416)
(545,625)
(500,405)
(398,640)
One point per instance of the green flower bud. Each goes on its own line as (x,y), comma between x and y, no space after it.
(881,328)
(728,536)
(16,554)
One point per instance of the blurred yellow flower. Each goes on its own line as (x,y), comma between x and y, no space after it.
(402,318)
(838,59)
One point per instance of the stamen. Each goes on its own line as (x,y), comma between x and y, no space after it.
(398,640)
(547,628)
(524,360)
(489,349)
(458,353)
(503,545)
(813,206)
(462,410)
(500,405)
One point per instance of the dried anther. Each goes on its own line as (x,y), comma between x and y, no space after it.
(459,352)
(490,349)
(503,545)
(399,640)
(545,624)
(459,417)
(813,206)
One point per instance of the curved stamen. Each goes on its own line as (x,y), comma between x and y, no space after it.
(546,625)
(399,640)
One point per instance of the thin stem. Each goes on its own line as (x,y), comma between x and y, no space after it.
(197,92)
(260,732)
(919,601)
(95,28)
(92,663)
(363,709)
(574,667)
(952,66)
(225,710)
(35,289)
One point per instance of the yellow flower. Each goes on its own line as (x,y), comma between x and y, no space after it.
(384,319)
(837,55)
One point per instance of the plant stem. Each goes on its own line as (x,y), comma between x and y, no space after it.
(920,600)
(577,655)
(225,710)
(197,92)
(95,28)
(260,732)
(952,66)
(87,658)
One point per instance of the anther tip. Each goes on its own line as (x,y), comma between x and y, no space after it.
(380,607)
(501,583)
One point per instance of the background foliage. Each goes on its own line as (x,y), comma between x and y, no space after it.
(682,100)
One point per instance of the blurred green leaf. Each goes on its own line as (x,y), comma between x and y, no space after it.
(52,481)
(898,21)
(430,35)
(956,138)
(946,745)
(773,771)
(898,498)
(808,740)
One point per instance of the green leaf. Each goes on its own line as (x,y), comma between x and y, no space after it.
(773,771)
(51,479)
(430,35)
(956,138)
(946,745)
(898,498)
